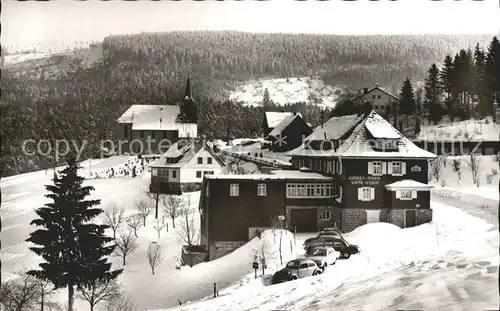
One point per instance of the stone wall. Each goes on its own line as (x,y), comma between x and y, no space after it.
(353,218)
(424,216)
(397,217)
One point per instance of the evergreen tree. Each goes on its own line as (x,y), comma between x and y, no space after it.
(480,87)
(492,68)
(266,99)
(417,126)
(73,247)
(407,104)
(447,81)
(433,94)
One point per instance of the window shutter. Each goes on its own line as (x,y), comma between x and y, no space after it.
(360,193)
(403,168)
(414,194)
(370,168)
(398,194)
(384,168)
(340,168)
(389,168)
(372,194)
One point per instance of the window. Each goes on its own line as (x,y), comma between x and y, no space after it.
(208,172)
(154,172)
(303,266)
(234,190)
(366,194)
(379,97)
(209,160)
(376,107)
(200,160)
(198,174)
(261,189)
(174,174)
(396,168)
(375,168)
(165,134)
(309,190)
(373,96)
(405,194)
(142,134)
(326,215)
(153,134)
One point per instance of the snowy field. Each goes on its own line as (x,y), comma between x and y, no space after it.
(289,90)
(449,181)
(483,129)
(449,264)
(21,194)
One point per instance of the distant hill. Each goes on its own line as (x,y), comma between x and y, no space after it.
(79,95)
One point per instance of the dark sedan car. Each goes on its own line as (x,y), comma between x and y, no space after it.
(341,245)
(296,269)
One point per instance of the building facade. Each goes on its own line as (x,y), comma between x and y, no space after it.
(254,202)
(184,165)
(381,100)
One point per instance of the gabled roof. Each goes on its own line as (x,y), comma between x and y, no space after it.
(278,129)
(335,128)
(373,89)
(274,118)
(358,144)
(186,152)
(157,117)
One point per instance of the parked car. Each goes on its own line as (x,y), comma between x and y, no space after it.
(296,269)
(341,245)
(323,256)
(327,232)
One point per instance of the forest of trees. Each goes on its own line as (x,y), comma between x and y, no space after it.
(83,102)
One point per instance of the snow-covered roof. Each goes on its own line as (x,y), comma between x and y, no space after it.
(360,145)
(157,117)
(408,184)
(278,129)
(273,175)
(186,152)
(373,89)
(379,129)
(334,128)
(274,118)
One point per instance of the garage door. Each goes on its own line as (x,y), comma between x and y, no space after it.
(304,220)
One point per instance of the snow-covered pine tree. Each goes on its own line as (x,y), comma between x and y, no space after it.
(74,248)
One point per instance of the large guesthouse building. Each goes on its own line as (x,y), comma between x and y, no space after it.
(352,170)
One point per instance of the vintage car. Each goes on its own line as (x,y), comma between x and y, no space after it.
(323,256)
(341,245)
(296,269)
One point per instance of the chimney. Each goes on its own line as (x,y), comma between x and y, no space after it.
(161,116)
(295,113)
(365,90)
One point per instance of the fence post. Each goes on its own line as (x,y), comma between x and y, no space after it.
(215,290)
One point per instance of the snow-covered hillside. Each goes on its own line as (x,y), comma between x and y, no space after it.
(483,129)
(289,90)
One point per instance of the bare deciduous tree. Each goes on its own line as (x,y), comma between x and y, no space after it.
(154,255)
(46,291)
(457,168)
(262,253)
(134,222)
(119,304)
(99,291)
(154,193)
(188,232)
(173,205)
(144,209)
(114,217)
(158,227)
(20,294)
(436,169)
(125,245)
(474,163)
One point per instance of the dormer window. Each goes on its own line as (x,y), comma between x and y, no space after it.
(386,144)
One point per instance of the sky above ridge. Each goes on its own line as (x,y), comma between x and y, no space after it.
(59,24)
